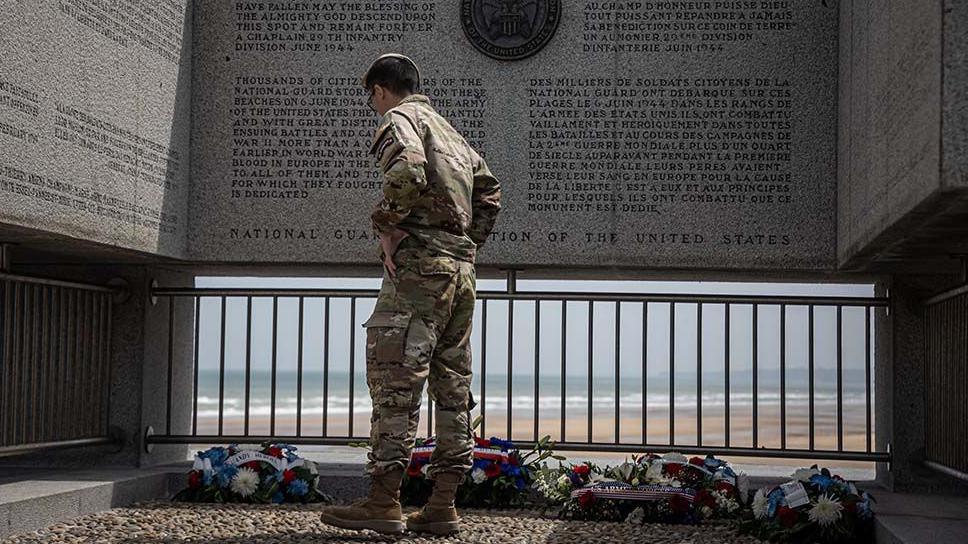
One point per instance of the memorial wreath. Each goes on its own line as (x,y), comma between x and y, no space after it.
(272,474)
(815,506)
(648,488)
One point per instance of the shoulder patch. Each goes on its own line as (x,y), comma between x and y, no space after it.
(387,142)
(385,127)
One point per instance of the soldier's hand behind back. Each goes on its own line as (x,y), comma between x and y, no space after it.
(390,242)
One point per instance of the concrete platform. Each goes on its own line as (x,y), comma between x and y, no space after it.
(904,518)
(32,499)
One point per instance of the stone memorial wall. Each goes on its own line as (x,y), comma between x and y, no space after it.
(890,114)
(630,133)
(903,113)
(94,120)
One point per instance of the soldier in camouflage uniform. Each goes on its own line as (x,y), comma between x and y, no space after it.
(439,204)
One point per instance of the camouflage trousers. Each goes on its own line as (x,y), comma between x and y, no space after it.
(420,329)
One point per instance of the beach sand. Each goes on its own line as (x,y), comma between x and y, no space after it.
(603,431)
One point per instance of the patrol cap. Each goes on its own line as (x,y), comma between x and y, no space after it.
(393,56)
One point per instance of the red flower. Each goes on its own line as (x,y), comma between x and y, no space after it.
(275,452)
(723,485)
(288,476)
(850,506)
(698,461)
(585,500)
(581,470)
(195,479)
(492,470)
(788,516)
(482,443)
(414,470)
(705,498)
(254,465)
(679,504)
(673,469)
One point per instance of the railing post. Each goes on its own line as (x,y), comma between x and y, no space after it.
(512,281)
(963,276)
(5,257)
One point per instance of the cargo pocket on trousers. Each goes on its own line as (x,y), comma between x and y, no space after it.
(386,335)
(437,265)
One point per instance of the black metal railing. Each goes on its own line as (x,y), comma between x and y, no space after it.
(768,403)
(55,341)
(946,381)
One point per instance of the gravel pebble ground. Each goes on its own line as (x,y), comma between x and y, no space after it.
(249,524)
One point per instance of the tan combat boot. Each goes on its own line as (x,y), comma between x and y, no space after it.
(439,516)
(380,511)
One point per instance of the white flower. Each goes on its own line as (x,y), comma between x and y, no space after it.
(725,503)
(564,482)
(245,482)
(635,481)
(804,474)
(478,475)
(654,474)
(706,511)
(826,510)
(624,471)
(675,457)
(760,504)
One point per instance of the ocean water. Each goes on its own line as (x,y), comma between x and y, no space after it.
(522,400)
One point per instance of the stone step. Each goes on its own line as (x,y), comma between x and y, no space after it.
(32,498)
(906,518)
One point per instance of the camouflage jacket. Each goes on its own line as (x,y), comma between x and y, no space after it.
(435,186)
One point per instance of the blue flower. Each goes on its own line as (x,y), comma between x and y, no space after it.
(480,463)
(519,483)
(279,475)
(225,473)
(207,477)
(216,455)
(864,509)
(712,463)
(776,499)
(298,487)
(822,481)
(575,479)
(278,497)
(510,470)
(843,486)
(503,444)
